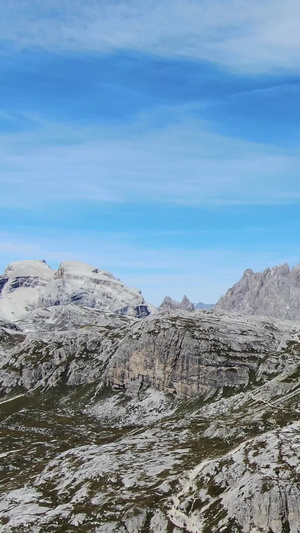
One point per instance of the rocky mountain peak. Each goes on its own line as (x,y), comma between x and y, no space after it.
(170,304)
(27,286)
(275,292)
(75,269)
(28,268)
(248,272)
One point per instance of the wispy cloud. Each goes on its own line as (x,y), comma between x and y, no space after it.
(154,156)
(181,163)
(248,36)
(4,115)
(284,89)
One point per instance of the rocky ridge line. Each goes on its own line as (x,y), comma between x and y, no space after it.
(275,292)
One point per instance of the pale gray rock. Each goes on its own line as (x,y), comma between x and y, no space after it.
(21,287)
(172,305)
(191,356)
(69,317)
(159,523)
(255,487)
(172,352)
(106,479)
(139,408)
(69,357)
(87,286)
(177,422)
(275,292)
(28,286)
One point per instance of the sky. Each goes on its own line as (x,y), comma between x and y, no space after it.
(158,140)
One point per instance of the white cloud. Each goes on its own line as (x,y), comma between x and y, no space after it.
(237,34)
(285,90)
(182,163)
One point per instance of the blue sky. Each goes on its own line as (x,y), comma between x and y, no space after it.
(156,140)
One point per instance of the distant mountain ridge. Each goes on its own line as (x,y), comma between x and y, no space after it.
(201,305)
(275,292)
(28,287)
(171,305)
(184,305)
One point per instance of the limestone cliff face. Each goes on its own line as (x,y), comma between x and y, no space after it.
(175,353)
(195,356)
(54,357)
(274,292)
(168,304)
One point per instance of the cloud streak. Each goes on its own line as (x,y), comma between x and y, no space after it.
(181,164)
(258,37)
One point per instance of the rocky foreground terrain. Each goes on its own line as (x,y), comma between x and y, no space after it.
(117,417)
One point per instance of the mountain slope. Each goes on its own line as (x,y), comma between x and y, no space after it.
(176,422)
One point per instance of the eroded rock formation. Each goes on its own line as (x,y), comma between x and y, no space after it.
(275,292)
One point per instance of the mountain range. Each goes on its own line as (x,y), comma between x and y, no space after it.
(120,417)
(184,305)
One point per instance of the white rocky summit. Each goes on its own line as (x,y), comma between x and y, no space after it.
(29,285)
(21,287)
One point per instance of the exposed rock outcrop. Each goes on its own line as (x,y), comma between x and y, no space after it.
(173,352)
(22,286)
(275,292)
(197,355)
(29,285)
(254,487)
